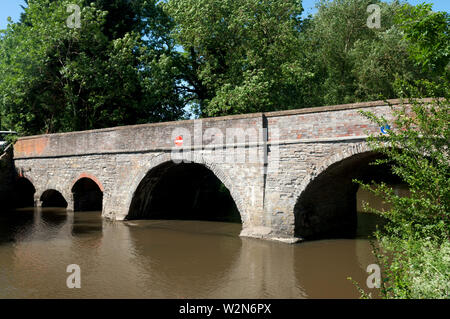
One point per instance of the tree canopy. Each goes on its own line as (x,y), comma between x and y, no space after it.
(241,56)
(114,70)
(144,61)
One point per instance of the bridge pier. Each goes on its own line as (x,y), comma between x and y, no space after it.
(37,199)
(70,202)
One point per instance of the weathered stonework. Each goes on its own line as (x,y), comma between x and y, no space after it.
(301,145)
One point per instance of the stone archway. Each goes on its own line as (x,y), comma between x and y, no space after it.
(53,198)
(87,195)
(317,168)
(91,177)
(160,165)
(326,205)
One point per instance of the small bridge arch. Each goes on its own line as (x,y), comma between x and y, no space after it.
(53,198)
(87,193)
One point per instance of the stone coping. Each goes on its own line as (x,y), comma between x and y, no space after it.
(309,110)
(204,147)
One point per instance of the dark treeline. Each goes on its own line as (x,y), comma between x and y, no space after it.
(147,61)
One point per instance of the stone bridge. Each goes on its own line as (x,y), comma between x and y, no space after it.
(289,172)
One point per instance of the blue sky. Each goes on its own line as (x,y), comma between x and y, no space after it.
(12,8)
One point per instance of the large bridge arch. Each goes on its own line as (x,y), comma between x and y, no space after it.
(326,205)
(165,159)
(317,168)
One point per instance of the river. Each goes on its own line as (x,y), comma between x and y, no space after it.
(170,259)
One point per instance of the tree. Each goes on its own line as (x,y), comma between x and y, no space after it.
(54,78)
(240,56)
(428,36)
(378,63)
(146,60)
(350,61)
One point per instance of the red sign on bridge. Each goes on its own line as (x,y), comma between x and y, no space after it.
(179,141)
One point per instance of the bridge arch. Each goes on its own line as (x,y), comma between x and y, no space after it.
(148,178)
(91,177)
(23,192)
(53,198)
(317,168)
(326,203)
(87,194)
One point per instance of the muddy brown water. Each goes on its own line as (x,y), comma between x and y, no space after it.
(170,259)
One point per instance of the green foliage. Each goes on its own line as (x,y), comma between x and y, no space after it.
(331,35)
(54,78)
(429,35)
(377,63)
(414,269)
(415,241)
(350,61)
(11,138)
(240,56)
(414,245)
(418,151)
(251,56)
(148,60)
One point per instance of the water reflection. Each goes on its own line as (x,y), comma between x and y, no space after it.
(185,259)
(12,224)
(166,259)
(85,223)
(322,267)
(264,270)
